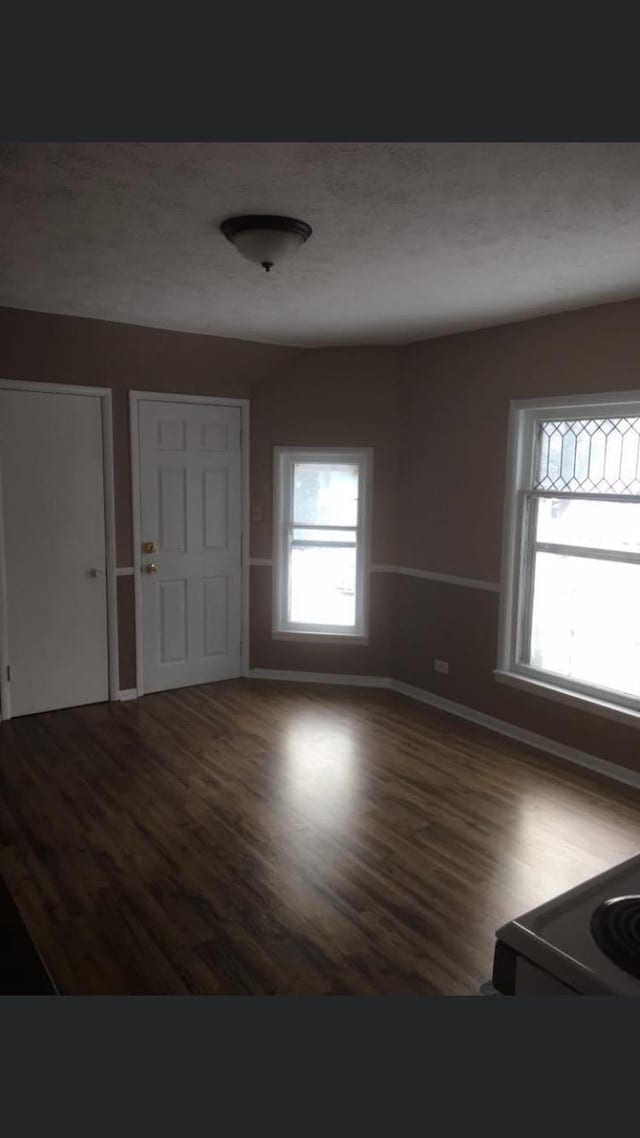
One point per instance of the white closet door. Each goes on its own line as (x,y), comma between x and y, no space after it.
(51,466)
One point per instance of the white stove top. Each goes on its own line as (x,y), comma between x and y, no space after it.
(557,935)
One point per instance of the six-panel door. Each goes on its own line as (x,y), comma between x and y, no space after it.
(191,512)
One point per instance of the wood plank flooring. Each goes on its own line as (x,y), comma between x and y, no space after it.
(251,837)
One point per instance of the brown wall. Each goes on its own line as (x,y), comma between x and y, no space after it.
(456,401)
(38,346)
(328,397)
(435,414)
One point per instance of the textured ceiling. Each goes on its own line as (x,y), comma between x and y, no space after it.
(411,240)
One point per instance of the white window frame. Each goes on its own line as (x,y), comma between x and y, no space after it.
(284,461)
(517,555)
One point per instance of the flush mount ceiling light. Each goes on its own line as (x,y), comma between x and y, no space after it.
(265,239)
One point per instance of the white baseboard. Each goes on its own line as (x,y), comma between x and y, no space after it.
(500,726)
(521,734)
(320,678)
(128,693)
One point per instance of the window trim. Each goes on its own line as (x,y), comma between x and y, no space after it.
(284,459)
(516,551)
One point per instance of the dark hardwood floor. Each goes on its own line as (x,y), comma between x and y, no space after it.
(252,837)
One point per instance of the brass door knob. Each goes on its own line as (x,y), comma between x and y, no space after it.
(151,568)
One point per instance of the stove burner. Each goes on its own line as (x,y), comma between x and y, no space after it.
(615,927)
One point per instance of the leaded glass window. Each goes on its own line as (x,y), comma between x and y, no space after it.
(589,455)
(573,596)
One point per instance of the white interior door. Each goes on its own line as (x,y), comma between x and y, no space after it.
(51,466)
(191,514)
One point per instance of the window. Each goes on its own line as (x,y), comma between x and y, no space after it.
(571,581)
(321,542)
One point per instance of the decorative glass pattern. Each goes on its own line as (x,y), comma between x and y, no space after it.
(588,456)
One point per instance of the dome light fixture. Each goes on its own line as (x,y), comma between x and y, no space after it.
(265,239)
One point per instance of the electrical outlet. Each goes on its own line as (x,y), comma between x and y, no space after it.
(441,666)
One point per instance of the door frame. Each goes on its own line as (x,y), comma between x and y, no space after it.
(135,399)
(106,416)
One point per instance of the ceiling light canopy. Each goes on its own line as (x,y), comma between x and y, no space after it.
(265,239)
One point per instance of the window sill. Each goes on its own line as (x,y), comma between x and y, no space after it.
(615,711)
(321,637)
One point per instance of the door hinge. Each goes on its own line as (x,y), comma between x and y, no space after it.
(9,673)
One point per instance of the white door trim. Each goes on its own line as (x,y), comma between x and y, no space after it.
(135,398)
(104,395)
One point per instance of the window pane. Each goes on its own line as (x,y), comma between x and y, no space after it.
(586,621)
(596,525)
(589,455)
(323,536)
(325,493)
(322,585)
